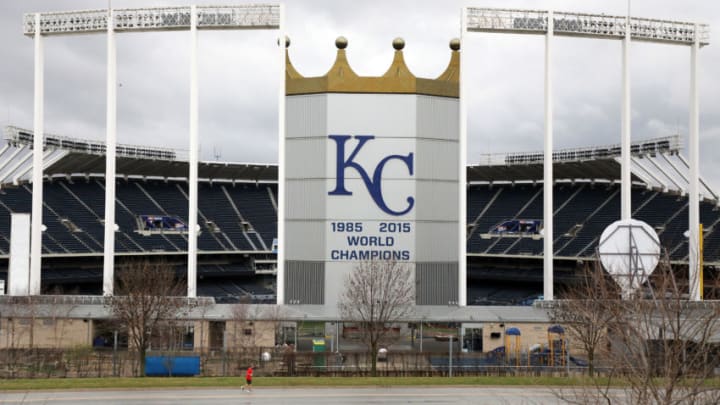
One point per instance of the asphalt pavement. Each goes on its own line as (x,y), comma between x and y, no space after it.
(294,396)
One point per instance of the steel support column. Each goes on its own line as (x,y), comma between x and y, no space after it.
(193,159)
(694,175)
(462,173)
(280,277)
(625,179)
(110,147)
(548,168)
(37,170)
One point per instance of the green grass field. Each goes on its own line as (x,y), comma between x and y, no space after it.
(184,382)
(230,382)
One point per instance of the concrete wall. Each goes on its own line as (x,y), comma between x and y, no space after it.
(532,333)
(45,333)
(237,335)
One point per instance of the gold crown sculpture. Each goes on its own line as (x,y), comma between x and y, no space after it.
(397,80)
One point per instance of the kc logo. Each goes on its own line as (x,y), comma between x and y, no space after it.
(373,185)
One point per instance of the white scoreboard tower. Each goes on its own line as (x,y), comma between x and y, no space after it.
(372,172)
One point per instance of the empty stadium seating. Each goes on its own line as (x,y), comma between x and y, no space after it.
(232,217)
(582,212)
(242,218)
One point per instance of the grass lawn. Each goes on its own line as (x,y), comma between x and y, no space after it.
(229,382)
(236,382)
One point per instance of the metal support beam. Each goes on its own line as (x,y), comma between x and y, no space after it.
(193,160)
(665,173)
(24,170)
(640,165)
(700,178)
(625,179)
(547,169)
(462,172)
(110,148)
(37,176)
(6,161)
(280,278)
(694,186)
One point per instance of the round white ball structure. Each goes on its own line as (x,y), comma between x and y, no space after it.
(629,251)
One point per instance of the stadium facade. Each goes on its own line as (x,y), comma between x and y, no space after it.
(376,172)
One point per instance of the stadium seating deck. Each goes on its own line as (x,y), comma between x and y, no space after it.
(582,212)
(242,218)
(74,210)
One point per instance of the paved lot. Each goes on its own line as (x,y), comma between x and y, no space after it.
(294,396)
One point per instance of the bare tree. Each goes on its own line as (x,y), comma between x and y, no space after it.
(276,315)
(243,332)
(147,293)
(662,346)
(665,345)
(377,295)
(585,312)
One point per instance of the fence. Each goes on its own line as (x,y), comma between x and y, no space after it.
(280,361)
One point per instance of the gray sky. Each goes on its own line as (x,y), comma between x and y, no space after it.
(238,72)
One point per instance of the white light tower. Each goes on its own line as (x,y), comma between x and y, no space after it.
(192,18)
(280,277)
(462,175)
(548,167)
(193,159)
(37,173)
(601,26)
(625,137)
(694,186)
(110,148)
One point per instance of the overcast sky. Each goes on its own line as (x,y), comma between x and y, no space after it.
(239,71)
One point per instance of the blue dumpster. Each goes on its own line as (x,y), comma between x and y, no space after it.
(165,366)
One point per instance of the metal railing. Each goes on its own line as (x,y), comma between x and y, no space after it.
(584,24)
(19,136)
(265,16)
(667,144)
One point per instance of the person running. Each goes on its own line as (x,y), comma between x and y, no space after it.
(248,379)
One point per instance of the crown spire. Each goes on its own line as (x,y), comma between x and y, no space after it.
(397,79)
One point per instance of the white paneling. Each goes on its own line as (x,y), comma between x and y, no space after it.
(306,240)
(305,199)
(382,115)
(19,266)
(305,158)
(306,116)
(436,159)
(436,201)
(438,118)
(436,241)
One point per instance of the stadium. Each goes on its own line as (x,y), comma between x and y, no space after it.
(370,168)
(237,255)
(238,207)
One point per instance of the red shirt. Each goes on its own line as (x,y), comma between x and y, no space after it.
(248,374)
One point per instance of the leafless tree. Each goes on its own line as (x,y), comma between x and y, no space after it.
(662,346)
(377,295)
(147,293)
(586,311)
(243,333)
(666,345)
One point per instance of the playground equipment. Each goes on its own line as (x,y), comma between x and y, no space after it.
(512,344)
(556,343)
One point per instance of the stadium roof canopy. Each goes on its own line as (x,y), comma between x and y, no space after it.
(656,163)
(72,156)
